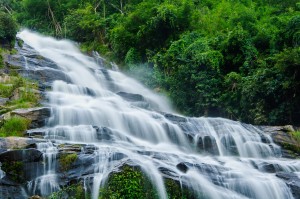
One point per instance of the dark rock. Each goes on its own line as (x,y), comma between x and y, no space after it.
(11,192)
(175,118)
(25,155)
(182,167)
(293,181)
(131,97)
(167,172)
(210,145)
(37,116)
(103,133)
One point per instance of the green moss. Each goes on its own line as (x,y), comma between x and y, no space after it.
(15,126)
(66,161)
(75,191)
(130,182)
(14,170)
(176,191)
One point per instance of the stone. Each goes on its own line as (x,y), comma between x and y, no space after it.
(3,101)
(37,116)
(24,155)
(131,97)
(182,167)
(175,118)
(293,181)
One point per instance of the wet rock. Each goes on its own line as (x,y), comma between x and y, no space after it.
(175,118)
(103,133)
(25,155)
(37,116)
(229,144)
(11,192)
(281,135)
(182,167)
(293,181)
(266,167)
(210,145)
(131,97)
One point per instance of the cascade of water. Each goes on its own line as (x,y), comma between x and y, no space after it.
(2,173)
(46,183)
(116,114)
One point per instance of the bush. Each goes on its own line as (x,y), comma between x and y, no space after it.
(15,126)
(8,28)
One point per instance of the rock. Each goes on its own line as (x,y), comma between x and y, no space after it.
(25,155)
(182,167)
(293,181)
(131,97)
(281,135)
(3,101)
(103,133)
(37,116)
(175,118)
(210,145)
(18,142)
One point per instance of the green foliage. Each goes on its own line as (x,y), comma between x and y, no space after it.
(236,59)
(8,28)
(75,191)
(14,169)
(66,161)
(176,191)
(130,182)
(296,136)
(15,126)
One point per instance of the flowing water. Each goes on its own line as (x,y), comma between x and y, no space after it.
(126,122)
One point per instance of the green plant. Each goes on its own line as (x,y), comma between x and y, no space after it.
(66,161)
(14,169)
(129,183)
(15,126)
(75,191)
(296,136)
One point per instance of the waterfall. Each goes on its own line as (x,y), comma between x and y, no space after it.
(117,115)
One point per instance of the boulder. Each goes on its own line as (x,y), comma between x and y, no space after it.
(18,143)
(37,116)
(281,135)
(24,155)
(182,167)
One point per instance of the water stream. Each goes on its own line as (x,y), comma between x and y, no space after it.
(117,115)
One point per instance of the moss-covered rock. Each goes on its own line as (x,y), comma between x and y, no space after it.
(66,161)
(129,182)
(177,191)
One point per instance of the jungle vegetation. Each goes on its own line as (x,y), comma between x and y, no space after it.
(238,59)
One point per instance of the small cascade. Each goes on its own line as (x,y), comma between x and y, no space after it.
(47,182)
(2,173)
(127,123)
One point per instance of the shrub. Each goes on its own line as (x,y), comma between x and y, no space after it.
(15,126)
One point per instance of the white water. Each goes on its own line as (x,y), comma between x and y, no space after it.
(223,156)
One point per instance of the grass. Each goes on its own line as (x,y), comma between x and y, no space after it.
(23,90)
(15,126)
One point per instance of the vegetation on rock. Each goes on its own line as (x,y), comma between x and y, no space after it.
(66,161)
(129,182)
